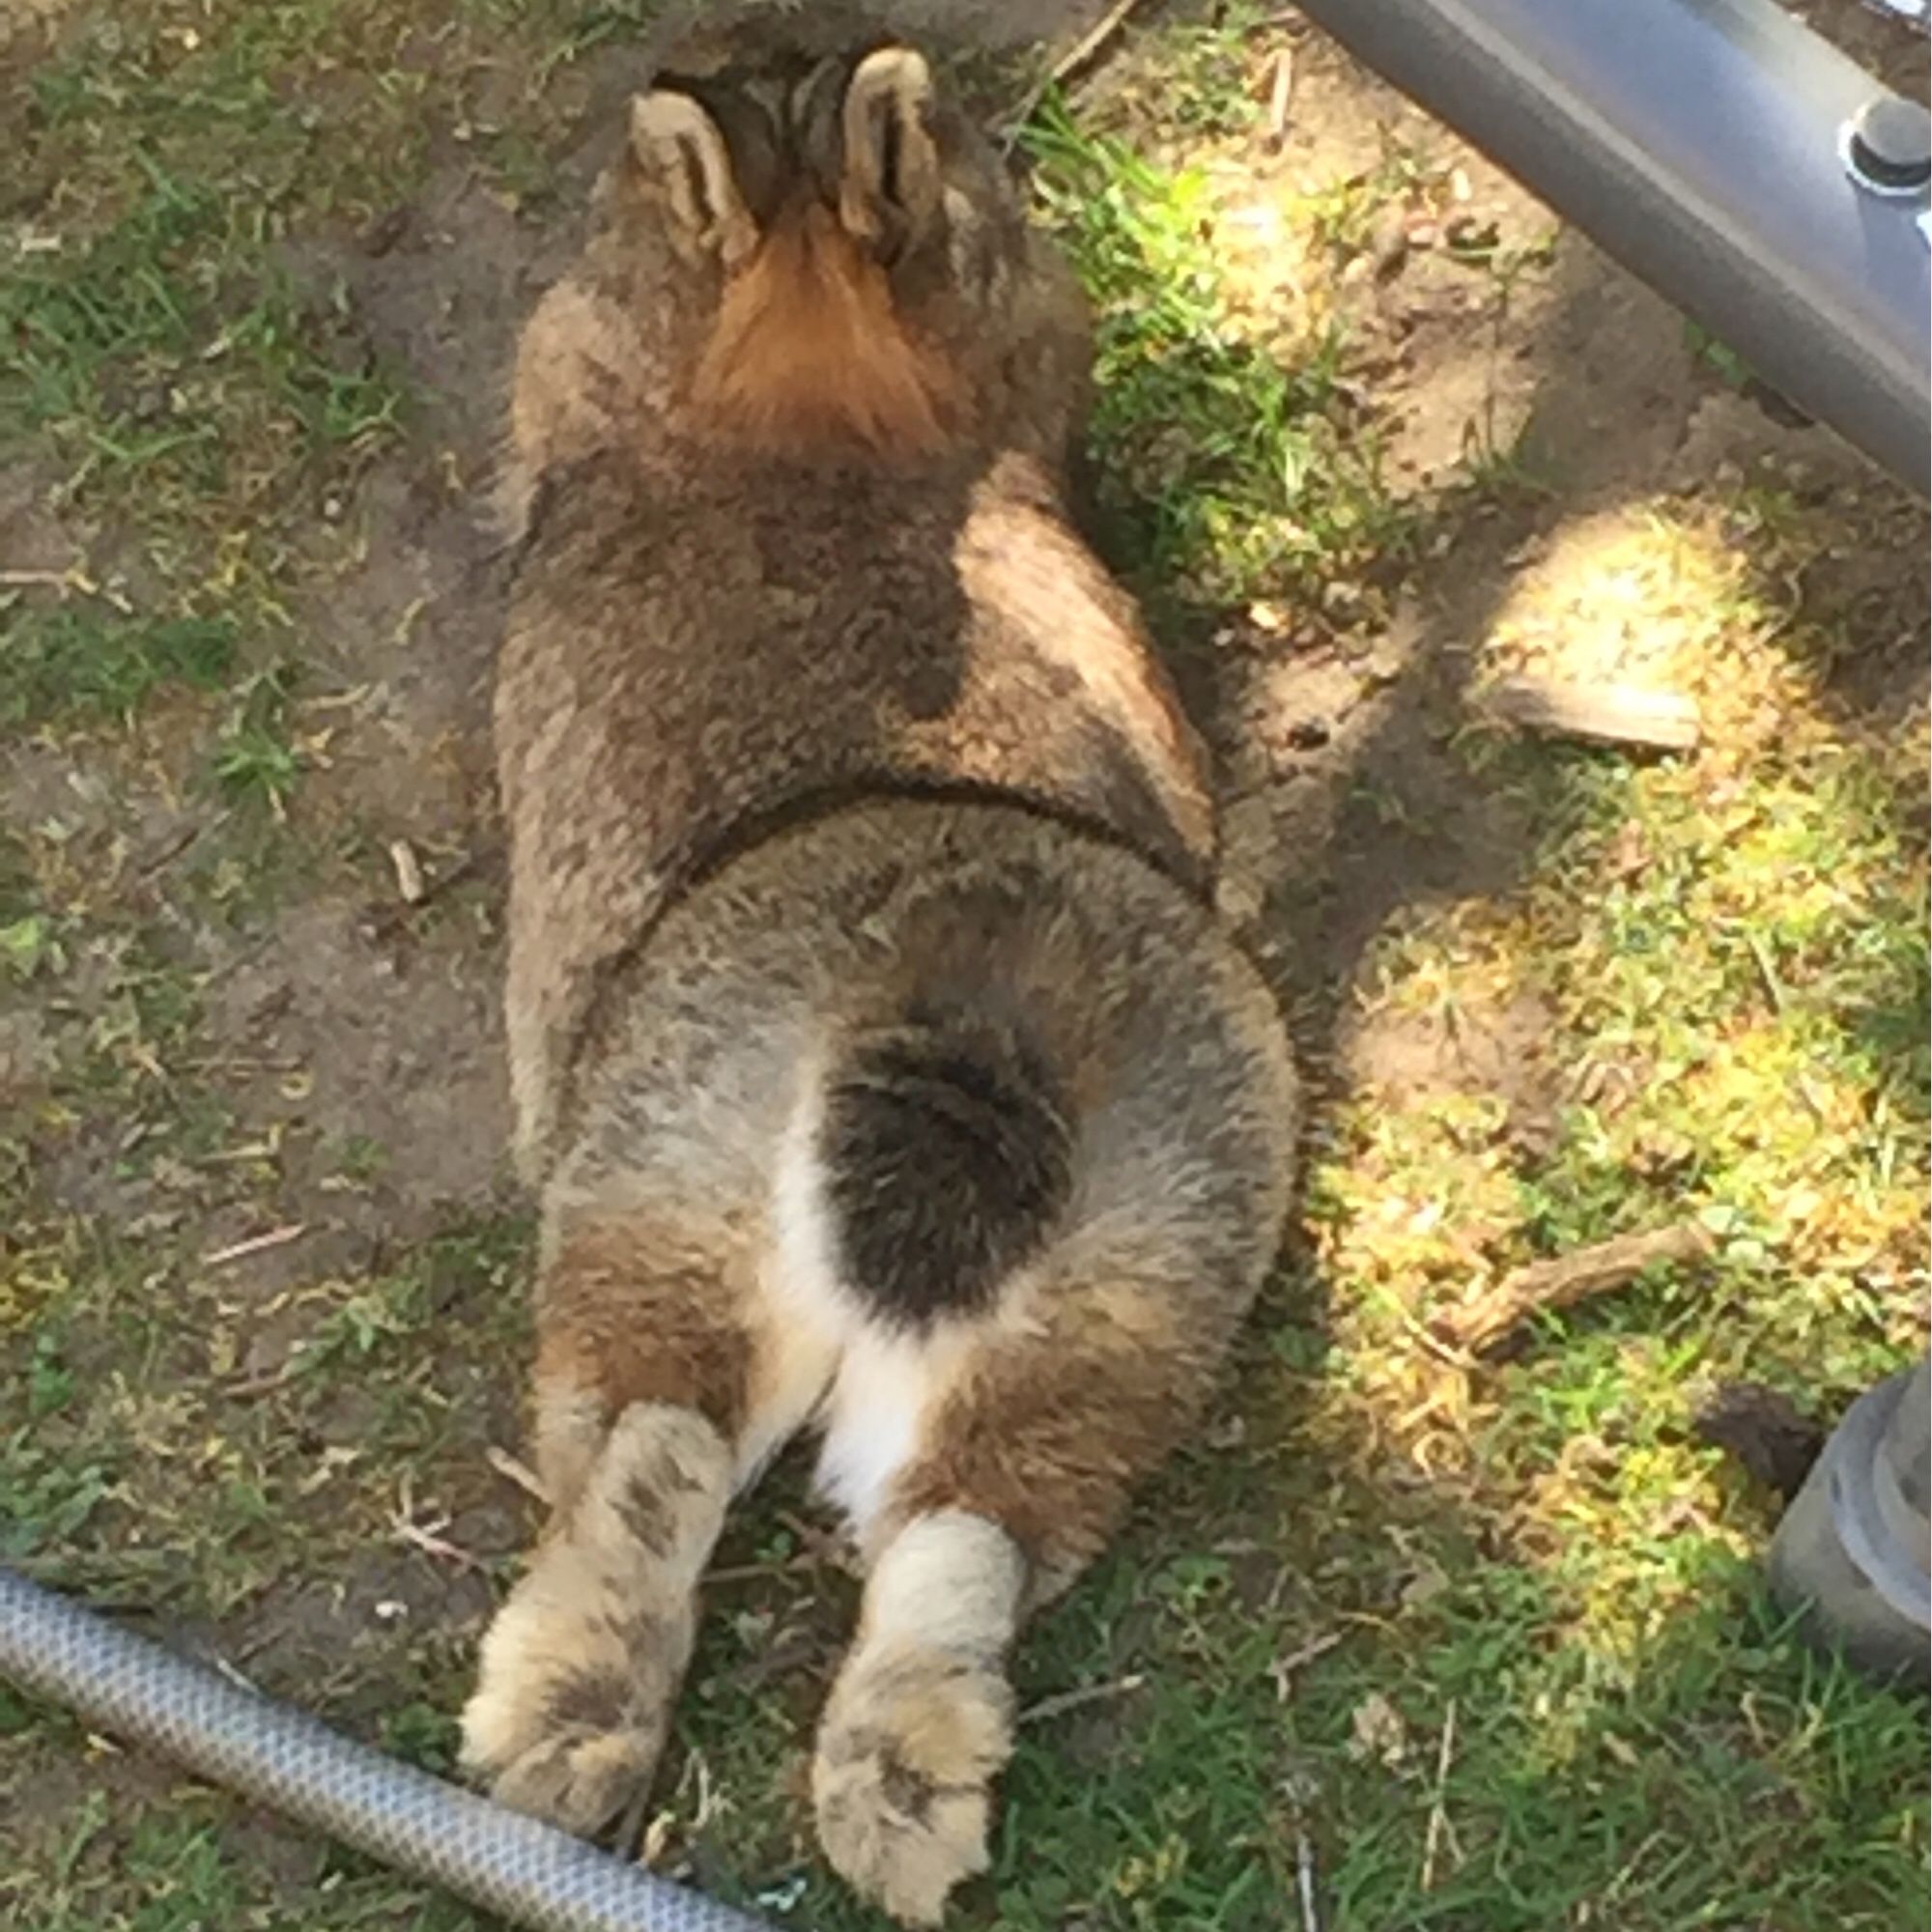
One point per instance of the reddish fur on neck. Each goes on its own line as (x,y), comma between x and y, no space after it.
(807,351)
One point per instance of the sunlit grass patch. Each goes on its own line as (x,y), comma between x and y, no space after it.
(1242,467)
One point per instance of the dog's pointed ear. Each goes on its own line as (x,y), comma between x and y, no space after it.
(679,146)
(892,187)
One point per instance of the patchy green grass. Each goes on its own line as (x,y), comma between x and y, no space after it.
(1470,1649)
(1236,469)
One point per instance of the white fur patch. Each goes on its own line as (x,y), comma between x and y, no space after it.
(953,1581)
(885,1383)
(805,1271)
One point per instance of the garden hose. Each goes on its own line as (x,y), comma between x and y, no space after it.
(528,1872)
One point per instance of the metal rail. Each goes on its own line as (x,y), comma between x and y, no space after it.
(1704,144)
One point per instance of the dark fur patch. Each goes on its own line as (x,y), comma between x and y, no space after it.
(948,1157)
(642,1509)
(592,1700)
(908,1791)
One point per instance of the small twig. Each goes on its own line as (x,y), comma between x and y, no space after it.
(1438,1818)
(1284,1667)
(512,1470)
(1068,65)
(1280,96)
(427,1537)
(1304,1883)
(822,1546)
(223,1668)
(1480,1325)
(1614,714)
(255,1244)
(170,850)
(1444,1351)
(391,919)
(424,1536)
(1774,987)
(630,1840)
(1063,1701)
(753,1573)
(245,1388)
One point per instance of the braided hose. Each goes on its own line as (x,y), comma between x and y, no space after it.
(530,1873)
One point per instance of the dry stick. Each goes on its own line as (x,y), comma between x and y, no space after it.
(1438,1817)
(1480,1325)
(514,1471)
(1283,1669)
(1280,96)
(1304,1883)
(1614,714)
(255,1244)
(1068,64)
(1063,1701)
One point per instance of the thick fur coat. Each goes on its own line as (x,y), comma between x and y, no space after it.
(875,1050)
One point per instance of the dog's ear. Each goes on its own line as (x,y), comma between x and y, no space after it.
(679,147)
(891,189)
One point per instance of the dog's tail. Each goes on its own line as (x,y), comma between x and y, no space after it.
(945,1150)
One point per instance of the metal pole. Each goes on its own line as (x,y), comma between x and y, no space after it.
(1703,144)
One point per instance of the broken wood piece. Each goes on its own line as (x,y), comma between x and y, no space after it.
(1479,1324)
(1611,714)
(409,871)
(1281,94)
(1072,1700)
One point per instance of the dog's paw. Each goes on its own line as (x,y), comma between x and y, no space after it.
(911,1742)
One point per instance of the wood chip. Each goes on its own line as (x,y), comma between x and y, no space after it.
(1480,1325)
(1611,714)
(409,871)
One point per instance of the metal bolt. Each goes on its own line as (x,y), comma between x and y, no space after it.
(1888,146)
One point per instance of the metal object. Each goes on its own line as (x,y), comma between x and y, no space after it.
(1888,146)
(532,1874)
(1704,144)
(1853,1557)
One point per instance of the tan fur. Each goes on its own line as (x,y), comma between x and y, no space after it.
(580,1668)
(807,351)
(816,718)
(634,1311)
(920,1721)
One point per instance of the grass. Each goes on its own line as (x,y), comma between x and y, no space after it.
(1476,1651)
(1233,468)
